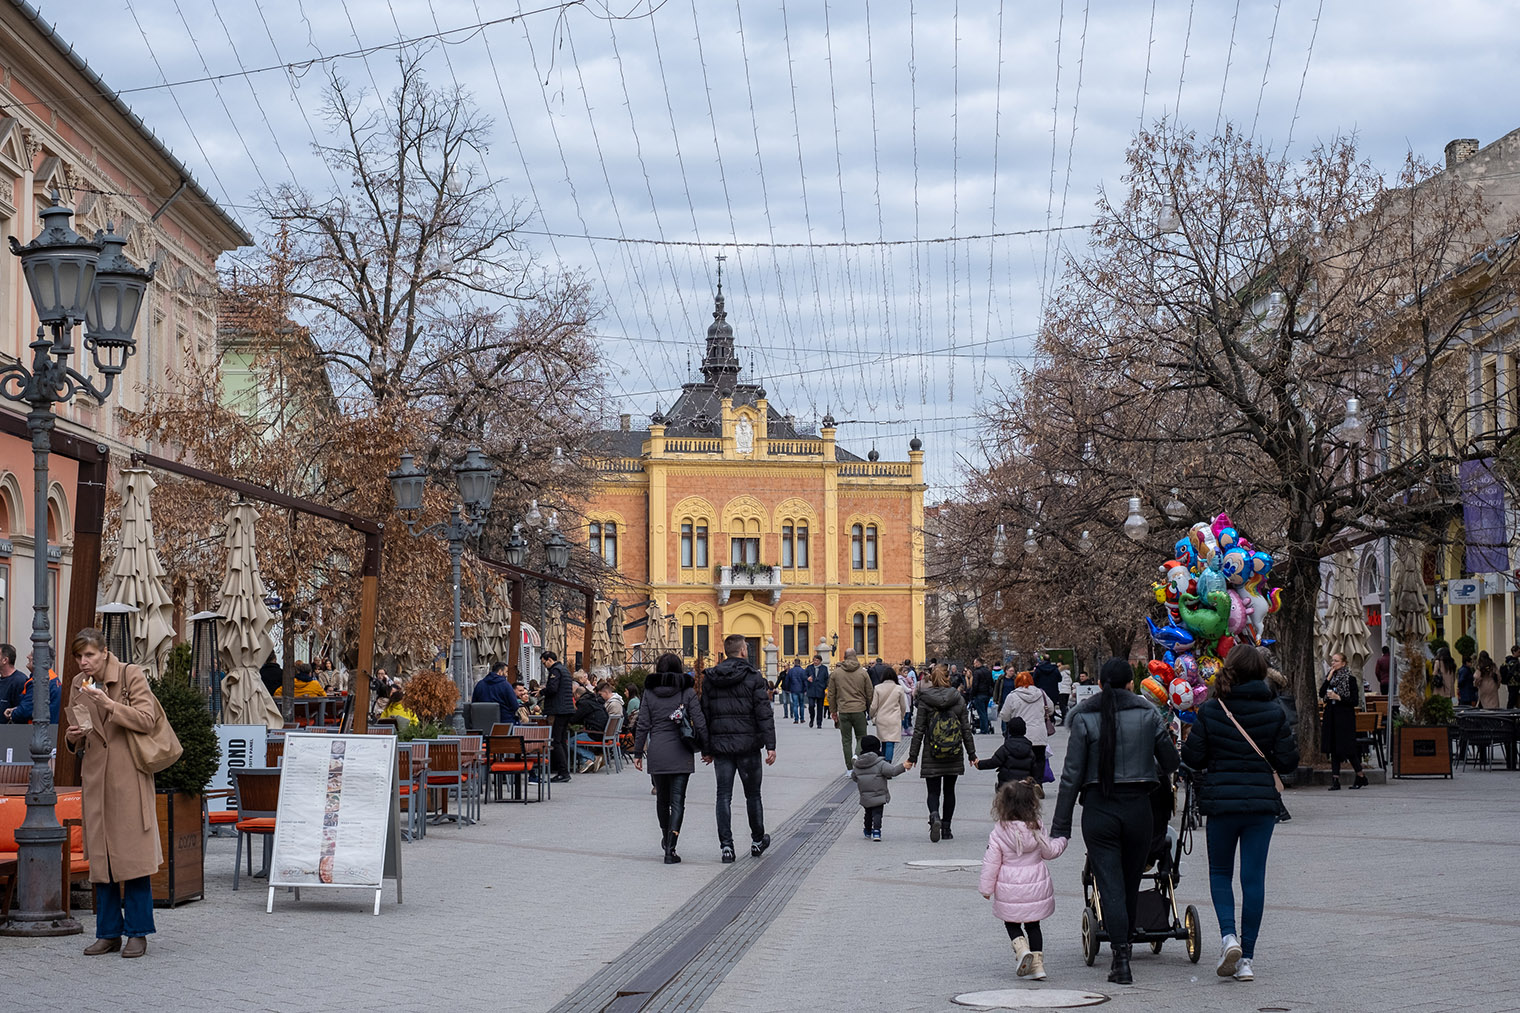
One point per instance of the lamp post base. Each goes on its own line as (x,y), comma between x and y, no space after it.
(43,924)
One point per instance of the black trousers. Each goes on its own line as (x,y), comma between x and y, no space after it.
(559,746)
(934,785)
(1039,762)
(815,711)
(1031,930)
(1117,832)
(873,817)
(670,800)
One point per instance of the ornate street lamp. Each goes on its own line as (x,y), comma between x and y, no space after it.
(72,280)
(517,547)
(475,482)
(556,561)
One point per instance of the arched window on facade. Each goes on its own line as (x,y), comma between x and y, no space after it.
(693,542)
(794,544)
(865,628)
(857,547)
(744,543)
(795,635)
(870,547)
(694,635)
(858,629)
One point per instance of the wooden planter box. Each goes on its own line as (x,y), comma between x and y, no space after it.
(1422,751)
(182,876)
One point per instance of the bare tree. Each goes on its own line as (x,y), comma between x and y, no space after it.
(1230,304)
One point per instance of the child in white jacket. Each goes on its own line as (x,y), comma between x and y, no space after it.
(1014,876)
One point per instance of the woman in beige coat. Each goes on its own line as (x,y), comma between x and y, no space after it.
(120,820)
(889,703)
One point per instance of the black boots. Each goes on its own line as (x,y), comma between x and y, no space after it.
(934,827)
(1119,973)
(671,858)
(1360,782)
(944,831)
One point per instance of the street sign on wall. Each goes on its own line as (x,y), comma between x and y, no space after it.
(1465,591)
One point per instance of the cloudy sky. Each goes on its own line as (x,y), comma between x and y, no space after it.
(893,182)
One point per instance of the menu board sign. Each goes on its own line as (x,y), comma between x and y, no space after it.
(336,825)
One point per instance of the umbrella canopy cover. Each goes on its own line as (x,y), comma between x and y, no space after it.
(1343,627)
(1411,614)
(491,634)
(554,636)
(617,648)
(137,578)
(654,633)
(601,647)
(245,636)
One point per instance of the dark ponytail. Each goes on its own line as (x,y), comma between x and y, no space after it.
(1115,675)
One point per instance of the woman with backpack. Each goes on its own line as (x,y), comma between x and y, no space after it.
(1242,739)
(1120,751)
(667,698)
(942,732)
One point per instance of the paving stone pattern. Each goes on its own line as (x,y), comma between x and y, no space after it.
(1397,897)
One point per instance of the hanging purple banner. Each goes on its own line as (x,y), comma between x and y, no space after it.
(1483,514)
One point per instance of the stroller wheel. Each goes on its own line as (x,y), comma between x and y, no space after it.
(1194,934)
(1089,935)
(1156,945)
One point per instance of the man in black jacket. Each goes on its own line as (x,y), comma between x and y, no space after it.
(739,722)
(981,696)
(1047,676)
(559,703)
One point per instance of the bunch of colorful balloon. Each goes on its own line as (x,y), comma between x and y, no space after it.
(1215,592)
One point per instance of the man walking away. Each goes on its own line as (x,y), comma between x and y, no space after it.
(817,679)
(878,672)
(739,722)
(794,683)
(559,704)
(852,695)
(1047,676)
(981,695)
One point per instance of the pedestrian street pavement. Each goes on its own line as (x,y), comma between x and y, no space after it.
(1397,897)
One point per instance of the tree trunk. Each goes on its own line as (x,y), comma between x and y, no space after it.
(1295,649)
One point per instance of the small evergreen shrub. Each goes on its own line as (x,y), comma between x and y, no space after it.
(189,714)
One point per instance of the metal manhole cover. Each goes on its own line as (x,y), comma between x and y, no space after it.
(945,863)
(1029,998)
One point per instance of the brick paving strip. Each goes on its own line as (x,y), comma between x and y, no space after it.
(676,965)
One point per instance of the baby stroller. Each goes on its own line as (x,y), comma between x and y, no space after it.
(1157,918)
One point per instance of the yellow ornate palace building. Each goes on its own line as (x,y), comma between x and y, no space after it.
(732,521)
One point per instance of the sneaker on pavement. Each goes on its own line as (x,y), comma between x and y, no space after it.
(868,834)
(1229,956)
(1243,970)
(728,854)
(876,836)
(757,848)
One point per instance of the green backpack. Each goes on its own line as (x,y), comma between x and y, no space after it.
(944,735)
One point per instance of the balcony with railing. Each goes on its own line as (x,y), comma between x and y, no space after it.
(749,577)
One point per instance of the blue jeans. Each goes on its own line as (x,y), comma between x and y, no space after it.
(135,898)
(1254,834)
(797,706)
(979,713)
(886,751)
(748,766)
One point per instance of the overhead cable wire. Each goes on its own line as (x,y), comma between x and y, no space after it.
(1229,57)
(1266,66)
(222,101)
(849,285)
(1304,77)
(997,130)
(1150,42)
(1187,38)
(883,260)
(295,94)
(1055,125)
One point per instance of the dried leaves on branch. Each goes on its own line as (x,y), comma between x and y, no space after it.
(1229,305)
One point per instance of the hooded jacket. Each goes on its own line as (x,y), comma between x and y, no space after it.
(657,739)
(1014,873)
(738,709)
(1047,676)
(1143,752)
(495,688)
(870,774)
(1235,781)
(1014,759)
(1031,704)
(851,687)
(932,700)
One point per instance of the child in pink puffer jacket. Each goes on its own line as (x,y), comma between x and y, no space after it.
(1014,876)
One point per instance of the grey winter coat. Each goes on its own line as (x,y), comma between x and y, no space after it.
(655,736)
(871,774)
(929,702)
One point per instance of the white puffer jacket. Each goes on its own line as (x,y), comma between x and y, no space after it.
(1031,704)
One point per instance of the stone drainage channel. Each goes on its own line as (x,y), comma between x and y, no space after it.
(679,963)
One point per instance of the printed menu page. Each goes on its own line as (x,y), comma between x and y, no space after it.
(330,828)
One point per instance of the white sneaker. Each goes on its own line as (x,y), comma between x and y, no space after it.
(1229,956)
(1243,971)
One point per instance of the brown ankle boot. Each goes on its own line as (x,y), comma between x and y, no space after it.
(100,946)
(135,946)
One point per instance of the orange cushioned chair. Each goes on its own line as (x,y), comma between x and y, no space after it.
(258,796)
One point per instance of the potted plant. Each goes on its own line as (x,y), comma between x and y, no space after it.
(1423,749)
(181,786)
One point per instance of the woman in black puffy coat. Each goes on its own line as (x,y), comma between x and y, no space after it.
(1238,792)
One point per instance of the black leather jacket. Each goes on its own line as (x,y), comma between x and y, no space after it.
(1144,751)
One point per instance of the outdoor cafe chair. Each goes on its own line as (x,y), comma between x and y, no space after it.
(481,717)
(410,795)
(258,796)
(1369,734)
(472,770)
(446,776)
(274,753)
(537,739)
(1480,733)
(509,758)
(607,745)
